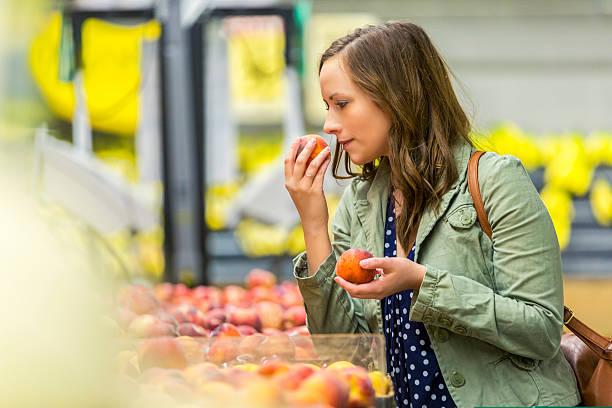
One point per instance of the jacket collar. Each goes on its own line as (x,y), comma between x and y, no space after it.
(371,202)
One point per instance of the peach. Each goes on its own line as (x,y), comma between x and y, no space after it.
(150,326)
(226,330)
(163,291)
(280,345)
(304,347)
(260,393)
(251,345)
(235,295)
(192,330)
(293,378)
(339,365)
(164,352)
(271,314)
(215,393)
(214,318)
(222,350)
(320,144)
(321,388)
(167,318)
(348,268)
(245,330)
(260,277)
(137,299)
(124,317)
(180,290)
(305,353)
(209,293)
(294,316)
(291,296)
(268,331)
(198,374)
(273,366)
(194,349)
(239,316)
(187,313)
(239,377)
(262,293)
(361,390)
(252,367)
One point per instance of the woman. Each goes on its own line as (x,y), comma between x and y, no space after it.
(468,321)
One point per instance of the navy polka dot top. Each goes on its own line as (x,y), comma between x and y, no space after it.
(411,361)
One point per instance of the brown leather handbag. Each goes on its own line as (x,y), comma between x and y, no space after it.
(589,353)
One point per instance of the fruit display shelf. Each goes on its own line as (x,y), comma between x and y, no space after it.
(238,346)
(338,370)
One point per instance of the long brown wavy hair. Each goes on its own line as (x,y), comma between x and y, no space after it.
(400,69)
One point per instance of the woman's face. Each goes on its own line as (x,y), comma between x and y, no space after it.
(360,126)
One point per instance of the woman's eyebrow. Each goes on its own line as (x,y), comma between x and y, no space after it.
(331,98)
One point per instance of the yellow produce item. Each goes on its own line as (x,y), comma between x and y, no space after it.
(601,202)
(339,365)
(111,71)
(598,147)
(295,242)
(380,382)
(561,210)
(258,239)
(570,169)
(218,199)
(248,367)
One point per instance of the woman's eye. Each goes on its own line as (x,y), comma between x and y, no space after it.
(341,104)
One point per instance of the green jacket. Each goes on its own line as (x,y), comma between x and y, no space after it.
(492,309)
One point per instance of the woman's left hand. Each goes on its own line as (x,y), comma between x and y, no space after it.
(397,274)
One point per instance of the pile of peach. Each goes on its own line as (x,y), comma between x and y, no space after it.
(235,346)
(160,371)
(175,310)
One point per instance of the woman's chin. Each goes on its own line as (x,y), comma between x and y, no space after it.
(359,160)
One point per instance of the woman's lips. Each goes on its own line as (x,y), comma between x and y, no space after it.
(345,144)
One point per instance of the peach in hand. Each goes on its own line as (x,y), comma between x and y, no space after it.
(320,144)
(348,268)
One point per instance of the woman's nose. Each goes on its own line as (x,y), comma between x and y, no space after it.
(331,126)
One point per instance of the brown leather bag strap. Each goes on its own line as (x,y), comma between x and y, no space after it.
(475,193)
(601,345)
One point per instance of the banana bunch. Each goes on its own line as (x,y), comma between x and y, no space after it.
(259,239)
(218,199)
(598,147)
(601,202)
(570,168)
(255,152)
(559,204)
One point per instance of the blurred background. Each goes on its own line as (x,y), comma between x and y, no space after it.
(150,134)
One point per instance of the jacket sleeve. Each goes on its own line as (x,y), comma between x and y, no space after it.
(329,308)
(523,313)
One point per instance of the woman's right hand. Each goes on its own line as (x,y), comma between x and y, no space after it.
(305,183)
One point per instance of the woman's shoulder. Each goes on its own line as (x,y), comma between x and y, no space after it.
(500,167)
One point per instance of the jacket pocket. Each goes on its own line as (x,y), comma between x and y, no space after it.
(515,380)
(462,217)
